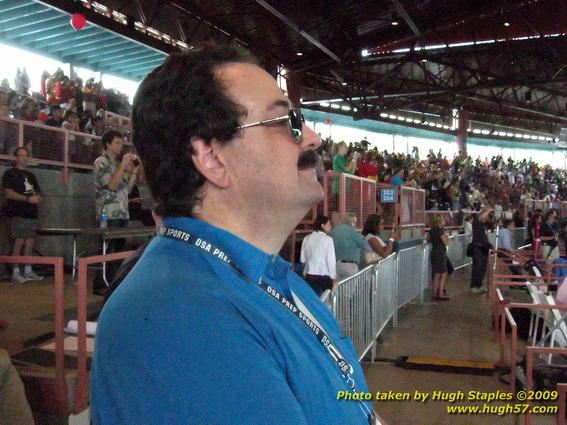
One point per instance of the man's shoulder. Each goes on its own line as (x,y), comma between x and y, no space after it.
(10,171)
(11,174)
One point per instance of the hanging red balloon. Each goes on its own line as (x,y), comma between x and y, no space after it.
(78,21)
(327,121)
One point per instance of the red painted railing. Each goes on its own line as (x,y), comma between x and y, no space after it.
(81,387)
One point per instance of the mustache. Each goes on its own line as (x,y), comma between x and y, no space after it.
(309,159)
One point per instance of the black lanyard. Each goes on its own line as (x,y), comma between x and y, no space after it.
(210,249)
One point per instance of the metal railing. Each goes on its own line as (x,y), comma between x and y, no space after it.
(117,122)
(346,193)
(364,303)
(56,147)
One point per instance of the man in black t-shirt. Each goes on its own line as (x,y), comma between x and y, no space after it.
(24,195)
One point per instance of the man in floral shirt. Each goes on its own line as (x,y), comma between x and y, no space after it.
(112,187)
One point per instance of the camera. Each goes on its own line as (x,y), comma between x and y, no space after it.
(136,162)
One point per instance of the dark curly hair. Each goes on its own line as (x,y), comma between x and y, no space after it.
(179,100)
(108,136)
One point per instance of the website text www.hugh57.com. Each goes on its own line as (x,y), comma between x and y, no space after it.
(501,410)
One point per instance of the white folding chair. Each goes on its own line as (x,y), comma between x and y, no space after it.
(537,314)
(557,329)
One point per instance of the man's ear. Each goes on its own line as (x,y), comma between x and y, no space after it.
(207,161)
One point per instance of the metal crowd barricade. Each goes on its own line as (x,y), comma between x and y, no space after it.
(364,303)
(410,264)
(351,307)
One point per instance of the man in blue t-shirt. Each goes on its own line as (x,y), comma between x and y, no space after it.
(211,325)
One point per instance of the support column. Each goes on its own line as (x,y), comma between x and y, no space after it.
(462,128)
(294,88)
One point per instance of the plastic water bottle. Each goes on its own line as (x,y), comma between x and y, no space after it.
(103,219)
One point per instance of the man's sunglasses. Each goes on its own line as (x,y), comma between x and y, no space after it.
(294,119)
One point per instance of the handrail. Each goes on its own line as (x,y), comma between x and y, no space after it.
(81,386)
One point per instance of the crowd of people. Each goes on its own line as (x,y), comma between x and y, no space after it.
(63,102)
(459,183)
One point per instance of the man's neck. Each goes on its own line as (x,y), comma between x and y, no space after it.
(20,167)
(110,154)
(267,232)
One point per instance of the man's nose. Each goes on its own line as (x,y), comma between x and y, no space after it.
(309,140)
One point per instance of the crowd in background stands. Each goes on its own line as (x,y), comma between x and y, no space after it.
(451,184)
(62,101)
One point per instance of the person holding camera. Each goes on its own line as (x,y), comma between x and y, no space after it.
(112,186)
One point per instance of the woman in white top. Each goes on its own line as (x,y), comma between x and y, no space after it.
(318,255)
(375,248)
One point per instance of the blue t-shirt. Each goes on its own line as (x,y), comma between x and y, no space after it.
(185,340)
(397,180)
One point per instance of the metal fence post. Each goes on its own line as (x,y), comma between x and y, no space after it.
(422,275)
(396,290)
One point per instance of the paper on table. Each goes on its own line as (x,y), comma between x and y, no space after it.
(73,328)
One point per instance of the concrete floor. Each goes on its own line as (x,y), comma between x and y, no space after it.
(29,310)
(458,329)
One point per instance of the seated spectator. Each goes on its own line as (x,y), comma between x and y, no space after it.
(318,255)
(397,178)
(96,126)
(348,244)
(56,119)
(70,121)
(375,248)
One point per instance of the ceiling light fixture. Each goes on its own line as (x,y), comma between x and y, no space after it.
(395,23)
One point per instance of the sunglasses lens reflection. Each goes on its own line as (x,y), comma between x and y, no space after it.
(296,124)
